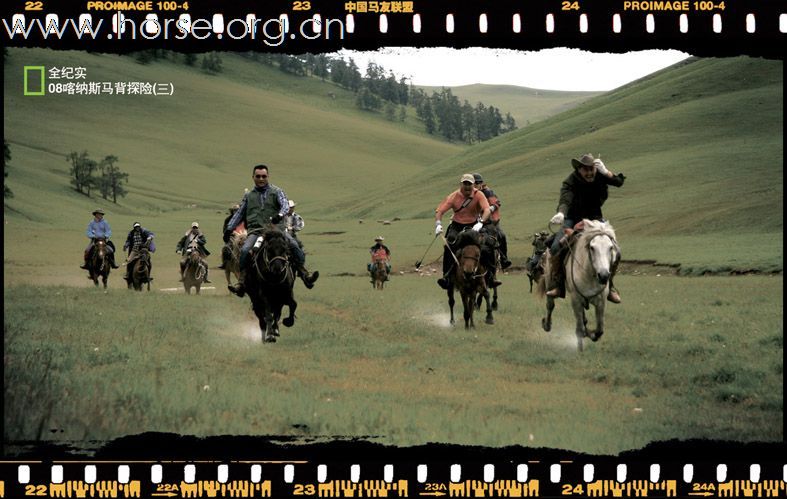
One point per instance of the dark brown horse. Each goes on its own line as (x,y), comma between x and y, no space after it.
(469,278)
(269,284)
(139,274)
(98,265)
(379,273)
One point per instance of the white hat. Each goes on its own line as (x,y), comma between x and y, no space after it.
(137,224)
(195,224)
(291,203)
(379,238)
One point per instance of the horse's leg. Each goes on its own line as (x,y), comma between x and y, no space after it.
(494,301)
(270,337)
(197,285)
(546,322)
(579,316)
(600,304)
(290,319)
(451,302)
(467,303)
(489,307)
(259,311)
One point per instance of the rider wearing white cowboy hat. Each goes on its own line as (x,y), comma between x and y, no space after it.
(293,223)
(581,196)
(98,228)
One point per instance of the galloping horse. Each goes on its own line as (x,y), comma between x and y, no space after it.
(98,264)
(194,273)
(232,261)
(139,274)
(269,284)
(379,273)
(469,278)
(587,269)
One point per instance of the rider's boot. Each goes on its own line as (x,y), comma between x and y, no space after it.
(556,277)
(182,270)
(112,261)
(307,277)
(206,275)
(239,288)
(84,264)
(613,295)
(445,281)
(125,275)
(504,262)
(495,283)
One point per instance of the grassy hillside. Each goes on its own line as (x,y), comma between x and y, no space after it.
(700,143)
(526,105)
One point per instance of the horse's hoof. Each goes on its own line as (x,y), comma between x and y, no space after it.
(494,305)
(490,320)
(270,339)
(288,322)
(546,325)
(596,336)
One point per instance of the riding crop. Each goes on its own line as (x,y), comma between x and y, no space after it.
(419,262)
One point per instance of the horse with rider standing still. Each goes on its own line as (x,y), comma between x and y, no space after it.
(99,255)
(380,266)
(591,243)
(139,265)
(270,257)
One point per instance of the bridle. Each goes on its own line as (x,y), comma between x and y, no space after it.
(267,263)
(590,257)
(476,259)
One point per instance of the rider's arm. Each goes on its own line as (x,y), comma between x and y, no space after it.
(108,229)
(238,217)
(483,203)
(90,232)
(566,197)
(284,203)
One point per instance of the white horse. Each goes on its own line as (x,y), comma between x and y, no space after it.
(588,265)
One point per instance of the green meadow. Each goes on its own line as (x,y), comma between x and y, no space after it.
(692,352)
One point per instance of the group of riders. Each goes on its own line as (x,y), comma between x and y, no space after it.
(475,207)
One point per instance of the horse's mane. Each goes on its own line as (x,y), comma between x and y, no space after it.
(467,238)
(595,228)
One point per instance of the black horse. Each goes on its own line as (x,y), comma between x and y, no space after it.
(269,283)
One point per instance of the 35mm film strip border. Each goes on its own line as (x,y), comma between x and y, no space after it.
(303,478)
(701,27)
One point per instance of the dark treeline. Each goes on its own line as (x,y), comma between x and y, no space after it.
(376,90)
(380,90)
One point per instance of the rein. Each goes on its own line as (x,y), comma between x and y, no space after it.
(267,262)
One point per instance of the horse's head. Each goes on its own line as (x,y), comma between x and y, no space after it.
(192,253)
(275,253)
(101,247)
(469,259)
(602,247)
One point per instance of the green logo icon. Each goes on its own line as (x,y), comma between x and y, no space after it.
(32,84)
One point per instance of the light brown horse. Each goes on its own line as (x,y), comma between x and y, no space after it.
(98,265)
(470,278)
(379,273)
(194,272)
(231,258)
